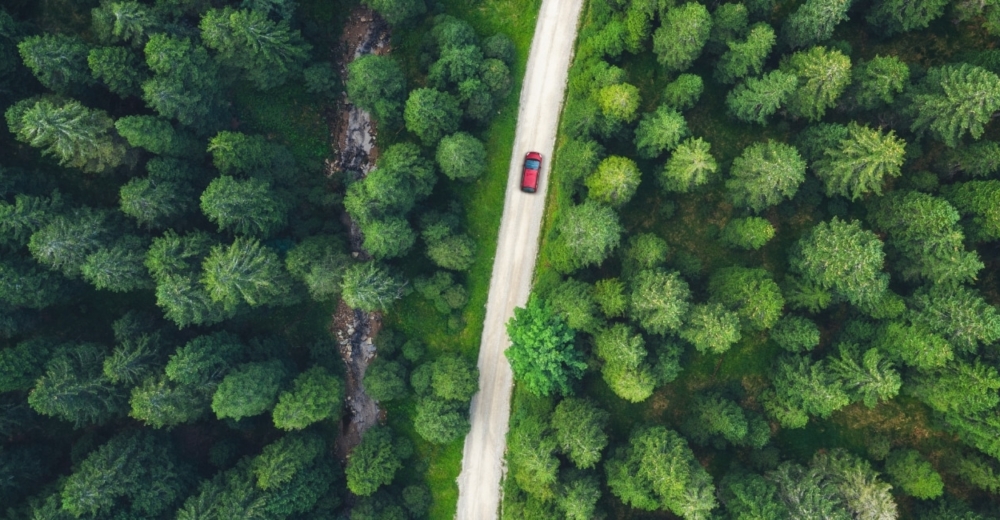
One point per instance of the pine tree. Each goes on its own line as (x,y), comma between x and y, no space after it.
(861,162)
(155,203)
(586,235)
(79,137)
(68,240)
(690,166)
(683,33)
(119,68)
(955,100)
(844,257)
(579,430)
(659,132)
(378,85)
(316,395)
(764,174)
(246,272)
(615,181)
(659,300)
(59,61)
(822,74)
(269,52)
(867,377)
(813,22)
(369,287)
(978,202)
(756,99)
(877,82)
(747,57)
(75,389)
(896,16)
(625,369)
(251,389)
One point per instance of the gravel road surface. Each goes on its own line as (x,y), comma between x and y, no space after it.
(537,121)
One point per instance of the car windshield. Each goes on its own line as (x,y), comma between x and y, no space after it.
(532,164)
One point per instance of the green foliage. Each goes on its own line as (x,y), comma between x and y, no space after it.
(586,234)
(441,421)
(319,262)
(246,272)
(914,474)
(959,386)
(377,84)
(573,301)
(374,462)
(542,354)
(248,207)
(645,251)
(75,389)
(160,403)
(923,230)
(877,82)
(269,52)
(388,237)
(461,156)
(730,22)
(186,83)
(532,461)
(861,162)
(125,21)
(958,314)
(397,11)
(118,470)
(764,174)
(579,431)
(155,203)
(119,68)
(844,257)
(79,137)
(822,74)
(454,377)
(431,114)
(59,61)
(813,22)
(619,102)
(954,100)
(747,57)
(615,181)
(749,497)
(711,328)
(24,363)
(369,286)
(251,389)
(747,233)
(867,377)
(977,202)
(896,16)
(316,395)
(446,247)
(795,333)
(756,99)
(683,92)
(625,369)
(751,293)
(714,418)
(658,471)
(156,135)
(913,345)
(683,33)
(803,388)
(23,284)
(442,290)
(659,300)
(609,294)
(577,159)
(691,165)
(205,360)
(385,380)
(68,240)
(978,159)
(661,131)
(281,460)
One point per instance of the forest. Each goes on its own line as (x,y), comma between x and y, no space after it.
(177,254)
(768,279)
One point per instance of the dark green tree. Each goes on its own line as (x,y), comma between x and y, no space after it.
(659,132)
(747,496)
(155,203)
(765,174)
(751,293)
(586,234)
(579,430)
(69,239)
(844,257)
(251,389)
(957,313)
(980,159)
(868,376)
(187,83)
(125,21)
(319,262)
(978,202)
(375,461)
(246,272)
(397,11)
(316,395)
(119,68)
(913,345)
(659,300)
(803,388)
(75,389)
(79,137)
(378,85)
(441,421)
(877,82)
(822,74)
(385,380)
(710,327)
(461,156)
(369,287)
(658,471)
(59,61)
(119,268)
(269,52)
(959,386)
(541,353)
(955,100)
(683,92)
(683,33)
(281,460)
(431,114)
(896,16)
(388,237)
(158,136)
(745,58)
(690,166)
(730,22)
(756,99)
(813,22)
(795,333)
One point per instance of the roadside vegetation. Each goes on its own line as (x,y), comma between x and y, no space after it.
(764,289)
(172,254)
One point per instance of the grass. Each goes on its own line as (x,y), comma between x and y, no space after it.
(482,203)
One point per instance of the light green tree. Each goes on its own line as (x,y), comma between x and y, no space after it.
(691,165)
(955,100)
(861,162)
(659,132)
(541,353)
(683,32)
(764,174)
(823,75)
(615,181)
(756,99)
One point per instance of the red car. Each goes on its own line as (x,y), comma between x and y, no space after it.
(529,176)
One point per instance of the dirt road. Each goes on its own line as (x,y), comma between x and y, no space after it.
(538,118)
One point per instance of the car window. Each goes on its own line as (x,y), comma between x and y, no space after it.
(532,164)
